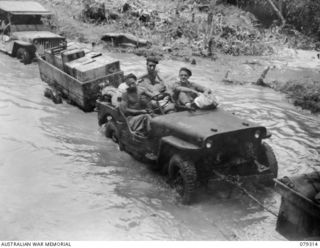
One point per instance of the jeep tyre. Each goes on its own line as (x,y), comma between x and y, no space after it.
(112,131)
(24,55)
(268,159)
(183,176)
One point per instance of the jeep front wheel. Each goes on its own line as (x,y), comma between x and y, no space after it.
(183,177)
(112,131)
(24,55)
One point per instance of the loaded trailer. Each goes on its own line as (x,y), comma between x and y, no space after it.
(77,73)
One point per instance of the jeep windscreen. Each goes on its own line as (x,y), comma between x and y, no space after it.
(22,23)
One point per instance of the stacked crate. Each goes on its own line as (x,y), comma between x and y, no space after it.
(94,66)
(91,69)
(70,55)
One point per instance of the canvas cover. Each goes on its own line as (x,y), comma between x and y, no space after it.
(23,8)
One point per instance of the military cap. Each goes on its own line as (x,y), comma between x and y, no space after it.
(152,59)
(186,70)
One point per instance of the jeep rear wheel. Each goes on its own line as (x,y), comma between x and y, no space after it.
(112,131)
(268,159)
(183,177)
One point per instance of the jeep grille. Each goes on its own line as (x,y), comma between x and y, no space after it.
(43,44)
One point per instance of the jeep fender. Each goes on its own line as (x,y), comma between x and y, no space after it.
(179,143)
(170,145)
(19,43)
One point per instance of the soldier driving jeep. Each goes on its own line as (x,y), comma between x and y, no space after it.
(153,86)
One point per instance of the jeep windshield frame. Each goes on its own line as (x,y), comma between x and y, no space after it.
(26,15)
(21,23)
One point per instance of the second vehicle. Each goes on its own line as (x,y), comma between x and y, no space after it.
(23,31)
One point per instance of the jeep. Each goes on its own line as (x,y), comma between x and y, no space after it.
(195,146)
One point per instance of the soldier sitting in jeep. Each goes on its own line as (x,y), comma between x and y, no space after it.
(135,110)
(113,95)
(152,85)
(192,95)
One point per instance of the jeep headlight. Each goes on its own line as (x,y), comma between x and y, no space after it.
(209,144)
(257,134)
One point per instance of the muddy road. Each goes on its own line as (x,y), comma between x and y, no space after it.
(61,179)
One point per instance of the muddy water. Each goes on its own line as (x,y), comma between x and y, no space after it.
(60,178)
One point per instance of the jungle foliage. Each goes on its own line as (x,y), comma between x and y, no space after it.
(302,15)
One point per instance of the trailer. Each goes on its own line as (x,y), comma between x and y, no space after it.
(77,74)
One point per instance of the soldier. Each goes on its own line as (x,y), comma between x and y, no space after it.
(152,85)
(151,81)
(129,80)
(134,110)
(191,95)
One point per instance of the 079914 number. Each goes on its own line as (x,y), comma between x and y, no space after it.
(308,243)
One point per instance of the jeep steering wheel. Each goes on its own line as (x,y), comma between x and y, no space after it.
(160,97)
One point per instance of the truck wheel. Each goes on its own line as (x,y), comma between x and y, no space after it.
(24,55)
(183,175)
(268,158)
(112,131)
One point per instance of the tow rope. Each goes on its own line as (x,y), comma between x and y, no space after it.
(234,181)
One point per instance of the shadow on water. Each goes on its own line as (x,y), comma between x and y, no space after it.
(60,178)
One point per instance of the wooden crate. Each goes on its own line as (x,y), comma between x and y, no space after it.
(69,67)
(95,69)
(70,55)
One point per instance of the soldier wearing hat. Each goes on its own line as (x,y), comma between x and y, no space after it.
(151,84)
(151,80)
(185,91)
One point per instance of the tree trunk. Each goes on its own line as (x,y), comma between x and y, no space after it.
(278,12)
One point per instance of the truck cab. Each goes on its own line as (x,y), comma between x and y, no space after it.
(23,31)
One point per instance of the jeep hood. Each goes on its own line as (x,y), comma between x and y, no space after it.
(195,127)
(30,36)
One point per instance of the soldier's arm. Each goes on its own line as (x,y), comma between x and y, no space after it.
(200,88)
(144,89)
(178,88)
